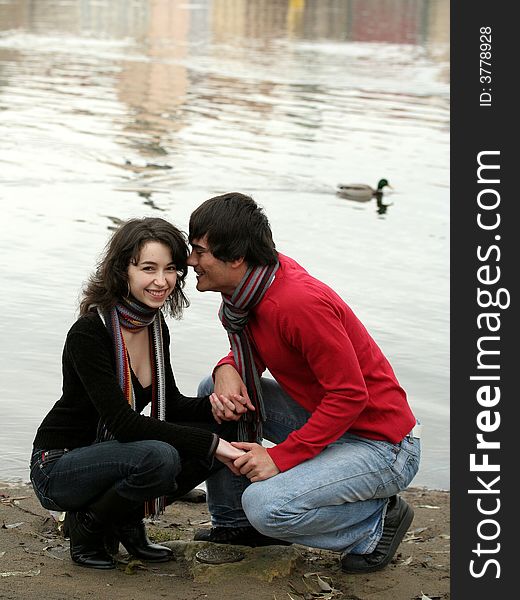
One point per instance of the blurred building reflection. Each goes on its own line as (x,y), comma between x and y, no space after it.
(156,87)
(389,21)
(165,45)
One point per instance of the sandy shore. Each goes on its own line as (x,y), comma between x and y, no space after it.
(35,563)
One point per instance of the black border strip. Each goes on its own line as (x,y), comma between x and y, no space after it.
(484,232)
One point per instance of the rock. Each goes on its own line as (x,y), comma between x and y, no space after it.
(264,563)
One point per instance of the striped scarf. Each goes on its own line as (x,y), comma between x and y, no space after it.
(132,315)
(234,315)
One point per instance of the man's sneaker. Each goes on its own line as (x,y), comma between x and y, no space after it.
(240,536)
(399,516)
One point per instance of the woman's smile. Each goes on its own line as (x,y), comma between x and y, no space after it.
(152,276)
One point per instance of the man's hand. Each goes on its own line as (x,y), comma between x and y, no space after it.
(229,400)
(228,409)
(255,464)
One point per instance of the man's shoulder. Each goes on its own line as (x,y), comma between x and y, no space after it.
(297,287)
(298,297)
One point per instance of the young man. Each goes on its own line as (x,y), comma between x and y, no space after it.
(343,429)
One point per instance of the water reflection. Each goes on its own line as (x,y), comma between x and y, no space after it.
(161,22)
(391,21)
(381,205)
(111,109)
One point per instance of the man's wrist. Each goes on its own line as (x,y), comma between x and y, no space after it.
(219,367)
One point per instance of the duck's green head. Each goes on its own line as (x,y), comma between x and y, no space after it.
(382,183)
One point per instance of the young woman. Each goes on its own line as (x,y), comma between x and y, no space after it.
(95,456)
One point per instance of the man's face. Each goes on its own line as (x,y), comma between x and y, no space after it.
(213,274)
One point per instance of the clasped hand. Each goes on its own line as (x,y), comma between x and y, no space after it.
(229,402)
(230,407)
(246,458)
(230,399)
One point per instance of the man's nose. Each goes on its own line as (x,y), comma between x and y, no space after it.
(192,259)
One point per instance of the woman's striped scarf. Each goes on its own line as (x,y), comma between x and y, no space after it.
(234,315)
(132,315)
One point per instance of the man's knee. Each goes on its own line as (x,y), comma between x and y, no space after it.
(205,386)
(260,510)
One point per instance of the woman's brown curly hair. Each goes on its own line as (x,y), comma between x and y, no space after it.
(109,283)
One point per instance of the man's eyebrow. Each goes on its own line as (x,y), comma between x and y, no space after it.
(198,247)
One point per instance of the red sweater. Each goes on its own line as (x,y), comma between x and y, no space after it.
(324,358)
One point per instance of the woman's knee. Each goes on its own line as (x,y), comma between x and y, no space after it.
(161,459)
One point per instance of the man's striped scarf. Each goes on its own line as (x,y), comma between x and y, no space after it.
(234,315)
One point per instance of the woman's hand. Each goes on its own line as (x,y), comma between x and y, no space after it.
(230,399)
(227,453)
(228,408)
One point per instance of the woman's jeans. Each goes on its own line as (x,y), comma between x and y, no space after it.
(139,471)
(335,501)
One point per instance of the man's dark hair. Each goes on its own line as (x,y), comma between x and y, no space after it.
(236,227)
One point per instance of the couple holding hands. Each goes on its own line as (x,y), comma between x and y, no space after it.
(345,439)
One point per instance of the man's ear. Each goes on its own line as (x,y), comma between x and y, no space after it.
(237,263)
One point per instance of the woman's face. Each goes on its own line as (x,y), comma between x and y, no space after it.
(152,279)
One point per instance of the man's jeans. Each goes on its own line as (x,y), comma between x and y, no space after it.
(335,501)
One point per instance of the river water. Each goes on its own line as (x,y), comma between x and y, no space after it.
(122,108)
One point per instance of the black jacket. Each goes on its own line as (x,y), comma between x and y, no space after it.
(91,391)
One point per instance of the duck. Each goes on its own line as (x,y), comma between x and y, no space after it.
(362,192)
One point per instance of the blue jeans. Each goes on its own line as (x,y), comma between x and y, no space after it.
(139,471)
(335,501)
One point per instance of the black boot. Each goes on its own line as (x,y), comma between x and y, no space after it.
(399,517)
(124,519)
(87,541)
(111,543)
(241,536)
(134,538)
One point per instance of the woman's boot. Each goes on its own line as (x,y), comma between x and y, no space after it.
(123,518)
(134,538)
(87,546)
(111,543)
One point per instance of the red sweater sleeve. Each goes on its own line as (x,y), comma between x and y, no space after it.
(230,360)
(227,360)
(315,332)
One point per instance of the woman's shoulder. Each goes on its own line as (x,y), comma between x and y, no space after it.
(87,323)
(88,336)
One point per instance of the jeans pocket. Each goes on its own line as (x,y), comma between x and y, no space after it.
(42,465)
(389,452)
(407,462)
